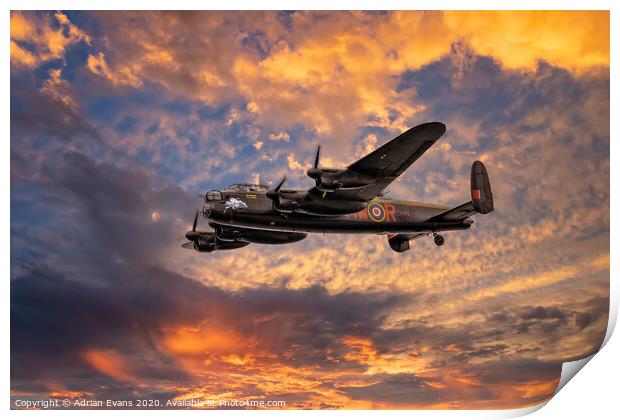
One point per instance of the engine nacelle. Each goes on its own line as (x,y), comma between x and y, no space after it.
(209,242)
(328,185)
(287,205)
(330,180)
(257,236)
(319,207)
(271,237)
(398,243)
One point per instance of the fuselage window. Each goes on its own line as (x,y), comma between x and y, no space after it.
(214,195)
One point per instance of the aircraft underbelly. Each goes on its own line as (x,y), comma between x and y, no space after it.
(337,225)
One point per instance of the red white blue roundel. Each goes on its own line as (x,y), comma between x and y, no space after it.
(376,212)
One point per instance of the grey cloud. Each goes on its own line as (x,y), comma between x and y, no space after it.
(35,112)
(540,312)
(582,320)
(402,388)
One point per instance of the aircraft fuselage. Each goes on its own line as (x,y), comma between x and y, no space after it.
(381,215)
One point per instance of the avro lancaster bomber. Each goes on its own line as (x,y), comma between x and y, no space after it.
(349,200)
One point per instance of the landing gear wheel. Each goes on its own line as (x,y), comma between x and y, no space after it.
(439,240)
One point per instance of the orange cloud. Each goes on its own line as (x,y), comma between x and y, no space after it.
(337,72)
(98,65)
(21,56)
(202,340)
(547,278)
(47,37)
(110,363)
(537,388)
(576,40)
(362,350)
(59,89)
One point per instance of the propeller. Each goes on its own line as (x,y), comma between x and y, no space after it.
(315,172)
(193,235)
(274,193)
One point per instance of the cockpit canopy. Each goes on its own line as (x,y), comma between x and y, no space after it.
(213,195)
(248,188)
(217,195)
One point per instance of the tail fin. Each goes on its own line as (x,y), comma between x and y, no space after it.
(481,195)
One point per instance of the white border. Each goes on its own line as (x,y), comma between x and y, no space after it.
(601,382)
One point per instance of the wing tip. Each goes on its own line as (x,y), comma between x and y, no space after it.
(433,130)
(435,126)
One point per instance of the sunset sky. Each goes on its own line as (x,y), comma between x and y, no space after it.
(120,119)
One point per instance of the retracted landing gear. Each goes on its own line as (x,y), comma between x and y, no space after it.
(439,240)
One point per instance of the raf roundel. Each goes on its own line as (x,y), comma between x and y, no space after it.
(376,212)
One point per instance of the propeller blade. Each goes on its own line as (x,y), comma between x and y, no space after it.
(318,154)
(280,184)
(192,235)
(274,193)
(195,222)
(314,172)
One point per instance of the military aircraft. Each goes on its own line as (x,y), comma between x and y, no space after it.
(348,200)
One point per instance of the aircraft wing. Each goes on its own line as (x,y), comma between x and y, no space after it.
(461,212)
(394,157)
(407,236)
(389,161)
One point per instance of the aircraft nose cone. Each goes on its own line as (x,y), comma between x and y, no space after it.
(192,235)
(314,172)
